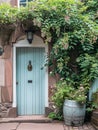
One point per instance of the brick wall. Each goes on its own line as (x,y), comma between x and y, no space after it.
(14,2)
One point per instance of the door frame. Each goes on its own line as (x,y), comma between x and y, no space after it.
(37,42)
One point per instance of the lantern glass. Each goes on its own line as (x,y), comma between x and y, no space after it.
(29,36)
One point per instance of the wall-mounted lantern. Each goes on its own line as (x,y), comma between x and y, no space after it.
(29,36)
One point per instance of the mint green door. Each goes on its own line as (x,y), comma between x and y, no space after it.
(30,80)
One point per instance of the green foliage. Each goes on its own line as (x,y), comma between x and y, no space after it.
(66,90)
(91,106)
(7,14)
(53,18)
(71,27)
(89,66)
(55,116)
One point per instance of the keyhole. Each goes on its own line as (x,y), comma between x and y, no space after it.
(29,66)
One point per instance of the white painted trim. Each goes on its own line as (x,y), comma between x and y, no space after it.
(37,42)
(14,76)
(18,3)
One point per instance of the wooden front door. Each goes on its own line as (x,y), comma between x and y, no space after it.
(30,80)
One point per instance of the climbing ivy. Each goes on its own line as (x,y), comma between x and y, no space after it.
(70,26)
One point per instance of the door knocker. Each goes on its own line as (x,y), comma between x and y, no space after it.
(29,66)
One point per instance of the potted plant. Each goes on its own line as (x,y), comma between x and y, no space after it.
(72,100)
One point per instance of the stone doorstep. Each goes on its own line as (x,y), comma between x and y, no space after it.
(26,119)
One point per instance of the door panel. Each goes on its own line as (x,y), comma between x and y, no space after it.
(30,80)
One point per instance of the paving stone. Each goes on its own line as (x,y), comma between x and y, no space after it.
(86,126)
(66,127)
(33,122)
(75,128)
(80,127)
(40,126)
(8,126)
